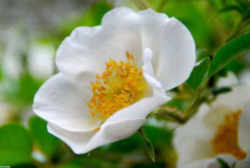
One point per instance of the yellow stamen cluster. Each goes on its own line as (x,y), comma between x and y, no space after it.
(120,85)
(226,138)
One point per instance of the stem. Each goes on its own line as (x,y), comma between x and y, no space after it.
(239,28)
(193,108)
(161,5)
(174,116)
(149,146)
(141,4)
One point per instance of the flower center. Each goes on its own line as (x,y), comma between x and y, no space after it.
(120,85)
(226,137)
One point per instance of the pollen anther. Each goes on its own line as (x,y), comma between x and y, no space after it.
(120,85)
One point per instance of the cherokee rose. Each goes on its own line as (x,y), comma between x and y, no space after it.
(112,76)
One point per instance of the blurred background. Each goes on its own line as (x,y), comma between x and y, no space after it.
(30,33)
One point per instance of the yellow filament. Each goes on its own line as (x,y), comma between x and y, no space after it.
(120,85)
(226,138)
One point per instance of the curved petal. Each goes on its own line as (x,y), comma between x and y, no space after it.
(139,110)
(83,142)
(74,56)
(61,102)
(87,49)
(177,55)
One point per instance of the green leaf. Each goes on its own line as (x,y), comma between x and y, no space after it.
(47,143)
(236,66)
(228,52)
(15,145)
(198,75)
(71,165)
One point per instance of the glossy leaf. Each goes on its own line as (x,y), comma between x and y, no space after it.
(198,75)
(228,52)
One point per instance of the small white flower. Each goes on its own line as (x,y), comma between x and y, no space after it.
(112,76)
(217,131)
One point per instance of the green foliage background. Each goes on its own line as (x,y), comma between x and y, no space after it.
(221,32)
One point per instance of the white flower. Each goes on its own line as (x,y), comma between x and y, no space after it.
(217,131)
(112,76)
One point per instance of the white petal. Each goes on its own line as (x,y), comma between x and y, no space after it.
(193,144)
(73,56)
(83,142)
(139,110)
(239,93)
(61,102)
(76,140)
(177,55)
(87,49)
